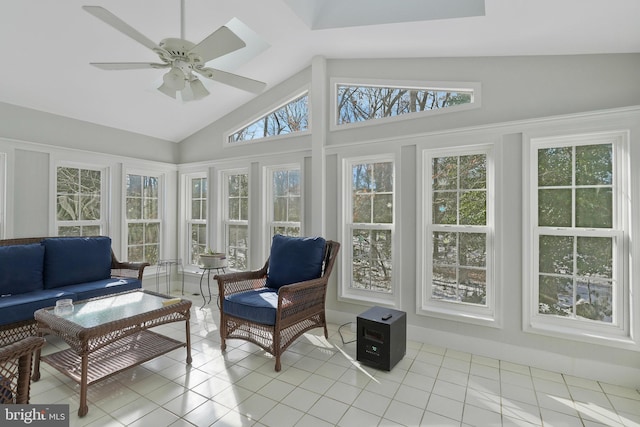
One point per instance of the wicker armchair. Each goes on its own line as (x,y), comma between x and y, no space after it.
(292,309)
(15,370)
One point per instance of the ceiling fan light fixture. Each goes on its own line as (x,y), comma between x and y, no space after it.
(197,89)
(175,79)
(167,90)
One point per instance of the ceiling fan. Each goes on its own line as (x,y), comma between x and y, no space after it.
(183,58)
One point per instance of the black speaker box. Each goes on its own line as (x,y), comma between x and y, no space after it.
(382,337)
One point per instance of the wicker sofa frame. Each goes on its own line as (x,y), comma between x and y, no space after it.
(301,307)
(15,370)
(13,332)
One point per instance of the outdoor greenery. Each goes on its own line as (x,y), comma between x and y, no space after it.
(362,103)
(575,188)
(237,228)
(459,256)
(78,201)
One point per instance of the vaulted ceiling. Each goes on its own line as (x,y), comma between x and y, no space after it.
(48,46)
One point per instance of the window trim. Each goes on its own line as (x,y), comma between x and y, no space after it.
(487,315)
(476,87)
(273,107)
(620,335)
(345,292)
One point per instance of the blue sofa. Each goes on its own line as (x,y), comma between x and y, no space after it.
(36,272)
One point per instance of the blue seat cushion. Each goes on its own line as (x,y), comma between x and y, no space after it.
(17,308)
(294,259)
(21,269)
(71,260)
(258,306)
(102,287)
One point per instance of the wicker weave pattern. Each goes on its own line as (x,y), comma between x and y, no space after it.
(100,351)
(15,370)
(17,331)
(300,307)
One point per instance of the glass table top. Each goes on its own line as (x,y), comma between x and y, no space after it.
(100,311)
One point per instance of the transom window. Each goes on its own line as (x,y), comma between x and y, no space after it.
(291,117)
(361,103)
(79,203)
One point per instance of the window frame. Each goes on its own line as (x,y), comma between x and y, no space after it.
(619,332)
(225,222)
(161,207)
(188,220)
(345,291)
(103,222)
(488,314)
(269,222)
(476,87)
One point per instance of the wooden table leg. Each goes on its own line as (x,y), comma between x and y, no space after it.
(188,331)
(84,408)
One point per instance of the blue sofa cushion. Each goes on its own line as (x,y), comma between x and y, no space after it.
(21,269)
(71,260)
(17,308)
(294,259)
(102,287)
(258,306)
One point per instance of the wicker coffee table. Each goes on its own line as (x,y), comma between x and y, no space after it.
(108,335)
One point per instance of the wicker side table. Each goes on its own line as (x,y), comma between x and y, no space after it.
(108,335)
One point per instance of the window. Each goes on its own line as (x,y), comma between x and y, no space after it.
(284,213)
(458,218)
(196,217)
(579,235)
(236,219)
(369,228)
(291,117)
(143,218)
(79,202)
(363,102)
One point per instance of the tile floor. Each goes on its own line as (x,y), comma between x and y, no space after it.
(321,384)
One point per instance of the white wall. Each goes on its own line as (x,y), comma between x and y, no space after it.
(520,96)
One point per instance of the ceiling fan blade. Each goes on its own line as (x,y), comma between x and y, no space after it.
(127,65)
(218,43)
(231,79)
(110,19)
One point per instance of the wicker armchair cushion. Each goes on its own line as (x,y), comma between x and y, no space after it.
(17,308)
(258,306)
(21,269)
(294,259)
(72,260)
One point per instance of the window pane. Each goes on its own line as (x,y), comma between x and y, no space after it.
(383,209)
(445,207)
(445,283)
(445,173)
(594,300)
(135,234)
(68,180)
(90,181)
(473,286)
(595,257)
(473,171)
(554,166)
(91,230)
(294,209)
(90,207)
(67,208)
(594,208)
(237,244)
(134,208)
(150,209)
(383,177)
(196,206)
(473,208)
(134,186)
(473,249)
(555,296)
(554,208)
(69,231)
(556,254)
(594,165)
(445,248)
(362,208)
